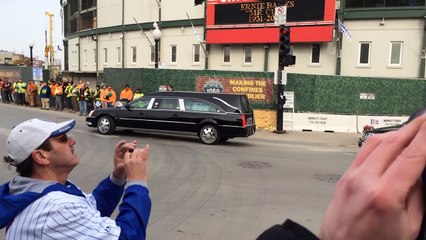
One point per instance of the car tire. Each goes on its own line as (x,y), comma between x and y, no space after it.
(106,125)
(209,134)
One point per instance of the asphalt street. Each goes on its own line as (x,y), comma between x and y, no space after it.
(229,191)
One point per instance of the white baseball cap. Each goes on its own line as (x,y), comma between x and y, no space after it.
(29,135)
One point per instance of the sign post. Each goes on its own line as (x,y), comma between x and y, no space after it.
(281,100)
(280,15)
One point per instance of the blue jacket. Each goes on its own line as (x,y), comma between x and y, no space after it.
(132,218)
(45,92)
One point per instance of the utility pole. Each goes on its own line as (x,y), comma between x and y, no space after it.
(283,50)
(285,59)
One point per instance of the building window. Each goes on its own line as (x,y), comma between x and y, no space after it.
(118,54)
(105,55)
(226,52)
(152,54)
(85,57)
(364,53)
(173,53)
(133,54)
(316,53)
(395,53)
(196,53)
(94,56)
(247,54)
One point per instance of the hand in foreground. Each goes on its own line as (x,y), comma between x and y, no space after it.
(120,149)
(380,195)
(136,164)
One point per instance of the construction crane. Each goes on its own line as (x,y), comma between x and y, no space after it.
(49,50)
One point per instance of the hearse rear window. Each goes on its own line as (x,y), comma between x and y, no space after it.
(246,104)
(166,104)
(200,106)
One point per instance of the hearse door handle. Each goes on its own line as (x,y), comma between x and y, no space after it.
(175,115)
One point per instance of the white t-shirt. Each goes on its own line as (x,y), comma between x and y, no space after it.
(59,215)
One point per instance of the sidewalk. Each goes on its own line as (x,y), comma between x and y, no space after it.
(315,138)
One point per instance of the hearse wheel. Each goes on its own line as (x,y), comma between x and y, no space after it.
(106,125)
(209,134)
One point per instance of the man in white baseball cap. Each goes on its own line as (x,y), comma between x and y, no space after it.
(42,203)
(29,135)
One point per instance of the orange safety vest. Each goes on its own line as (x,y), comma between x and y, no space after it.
(126,94)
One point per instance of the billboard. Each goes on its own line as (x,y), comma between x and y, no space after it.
(256,89)
(252,21)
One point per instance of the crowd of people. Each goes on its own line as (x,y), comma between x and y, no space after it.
(64,95)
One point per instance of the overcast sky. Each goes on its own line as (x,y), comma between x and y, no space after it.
(22,21)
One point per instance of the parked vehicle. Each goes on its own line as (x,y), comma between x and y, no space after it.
(367,133)
(213,117)
(372,131)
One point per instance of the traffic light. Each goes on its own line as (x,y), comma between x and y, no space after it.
(198,2)
(284,40)
(284,57)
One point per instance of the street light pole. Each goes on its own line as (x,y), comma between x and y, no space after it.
(156,52)
(31,44)
(156,33)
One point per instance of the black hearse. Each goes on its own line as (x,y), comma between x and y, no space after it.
(214,117)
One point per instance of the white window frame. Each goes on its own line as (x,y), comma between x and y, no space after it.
(312,54)
(133,55)
(224,55)
(368,64)
(399,64)
(118,49)
(196,51)
(105,50)
(245,52)
(173,47)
